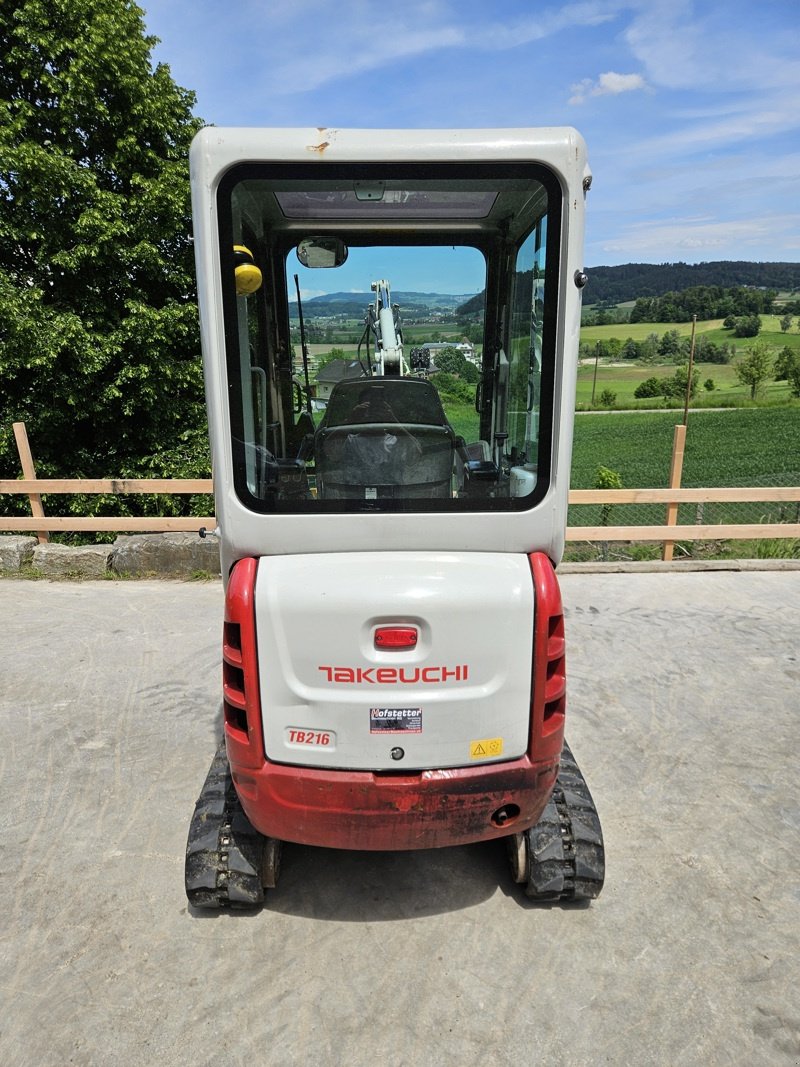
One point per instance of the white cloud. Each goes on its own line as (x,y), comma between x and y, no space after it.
(608,84)
(687,237)
(346,42)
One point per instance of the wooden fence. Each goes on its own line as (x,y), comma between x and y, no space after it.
(41,524)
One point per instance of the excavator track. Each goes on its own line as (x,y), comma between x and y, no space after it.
(224,853)
(565,855)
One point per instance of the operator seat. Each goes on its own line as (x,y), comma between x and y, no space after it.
(384,438)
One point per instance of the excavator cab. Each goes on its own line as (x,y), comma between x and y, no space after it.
(393,649)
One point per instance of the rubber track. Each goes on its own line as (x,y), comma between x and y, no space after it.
(566,858)
(223,853)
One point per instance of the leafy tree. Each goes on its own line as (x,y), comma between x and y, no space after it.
(707,352)
(453,361)
(747,326)
(673,387)
(670,344)
(650,387)
(453,390)
(709,385)
(680,380)
(606,478)
(785,362)
(755,368)
(786,323)
(97,310)
(608,398)
(704,301)
(630,350)
(648,349)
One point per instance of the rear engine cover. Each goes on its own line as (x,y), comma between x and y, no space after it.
(334,696)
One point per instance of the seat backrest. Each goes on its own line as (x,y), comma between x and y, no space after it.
(388,460)
(384,437)
(411,401)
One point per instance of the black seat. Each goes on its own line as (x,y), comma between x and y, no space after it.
(384,438)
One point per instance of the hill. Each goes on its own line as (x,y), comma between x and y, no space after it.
(354,304)
(632,281)
(615,285)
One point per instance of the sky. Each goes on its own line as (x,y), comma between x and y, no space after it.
(691,110)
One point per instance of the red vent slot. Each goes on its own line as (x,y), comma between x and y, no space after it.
(233,685)
(240,685)
(232,642)
(548,700)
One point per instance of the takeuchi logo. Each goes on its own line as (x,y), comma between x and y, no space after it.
(395,675)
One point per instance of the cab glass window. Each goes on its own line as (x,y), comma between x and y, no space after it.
(390,335)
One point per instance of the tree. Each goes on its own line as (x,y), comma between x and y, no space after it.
(747,326)
(630,350)
(786,323)
(679,382)
(755,368)
(452,360)
(97,301)
(650,387)
(785,362)
(670,344)
(606,478)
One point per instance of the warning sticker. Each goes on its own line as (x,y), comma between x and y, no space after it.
(395,720)
(488,748)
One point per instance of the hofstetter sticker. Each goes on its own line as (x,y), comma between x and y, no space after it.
(395,720)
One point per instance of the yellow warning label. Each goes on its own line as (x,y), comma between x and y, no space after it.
(486,749)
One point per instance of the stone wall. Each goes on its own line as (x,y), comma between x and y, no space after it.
(168,555)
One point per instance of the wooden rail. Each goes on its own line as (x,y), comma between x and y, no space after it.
(40,524)
(728,494)
(36,487)
(37,522)
(672,498)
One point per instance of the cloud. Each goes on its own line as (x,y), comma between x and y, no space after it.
(690,238)
(418,28)
(608,84)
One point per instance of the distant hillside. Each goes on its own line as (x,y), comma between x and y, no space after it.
(629,282)
(355,304)
(615,285)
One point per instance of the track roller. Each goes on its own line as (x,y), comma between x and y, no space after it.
(562,856)
(228,862)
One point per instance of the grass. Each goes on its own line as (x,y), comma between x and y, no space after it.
(753,446)
(748,447)
(622,379)
(711,328)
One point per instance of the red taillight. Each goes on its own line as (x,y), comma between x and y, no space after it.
(396,638)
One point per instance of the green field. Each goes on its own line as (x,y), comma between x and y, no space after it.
(623,378)
(753,446)
(747,447)
(712,329)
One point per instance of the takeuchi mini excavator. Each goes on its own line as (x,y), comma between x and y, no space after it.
(393,644)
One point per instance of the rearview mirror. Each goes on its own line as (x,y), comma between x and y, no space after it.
(322,252)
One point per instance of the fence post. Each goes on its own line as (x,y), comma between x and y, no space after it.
(29,471)
(675,473)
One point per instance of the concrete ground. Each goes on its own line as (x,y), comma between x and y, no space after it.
(684,714)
